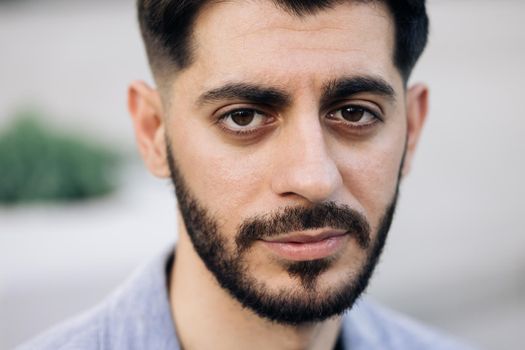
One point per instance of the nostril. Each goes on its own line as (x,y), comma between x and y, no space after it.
(289,194)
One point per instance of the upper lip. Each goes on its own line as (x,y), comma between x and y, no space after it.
(306,237)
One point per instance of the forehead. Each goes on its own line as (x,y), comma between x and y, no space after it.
(256,41)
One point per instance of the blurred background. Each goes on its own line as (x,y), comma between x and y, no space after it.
(454,255)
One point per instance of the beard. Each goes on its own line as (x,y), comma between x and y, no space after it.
(303,303)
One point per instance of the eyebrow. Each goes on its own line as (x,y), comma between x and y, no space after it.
(246,92)
(333,90)
(349,86)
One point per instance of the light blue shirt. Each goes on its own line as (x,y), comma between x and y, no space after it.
(137,316)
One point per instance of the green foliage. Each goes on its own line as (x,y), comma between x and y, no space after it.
(39,164)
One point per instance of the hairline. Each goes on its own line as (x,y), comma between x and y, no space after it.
(165,73)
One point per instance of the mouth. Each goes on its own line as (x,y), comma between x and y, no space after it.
(308,245)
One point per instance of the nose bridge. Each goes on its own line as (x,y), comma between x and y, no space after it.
(306,167)
(306,135)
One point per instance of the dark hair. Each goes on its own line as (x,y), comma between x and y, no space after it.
(166,27)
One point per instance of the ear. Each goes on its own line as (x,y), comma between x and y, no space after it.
(146,110)
(417,108)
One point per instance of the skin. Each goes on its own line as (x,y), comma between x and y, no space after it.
(298,155)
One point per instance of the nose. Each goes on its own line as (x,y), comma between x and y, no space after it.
(303,164)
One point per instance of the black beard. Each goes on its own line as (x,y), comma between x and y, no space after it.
(289,307)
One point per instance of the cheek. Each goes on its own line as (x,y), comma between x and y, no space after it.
(370,174)
(222,178)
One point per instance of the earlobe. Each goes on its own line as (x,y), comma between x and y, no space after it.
(417,109)
(146,110)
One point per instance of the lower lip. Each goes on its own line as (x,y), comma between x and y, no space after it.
(307,251)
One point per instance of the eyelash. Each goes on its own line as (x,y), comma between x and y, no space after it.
(376,115)
(248,132)
(242,132)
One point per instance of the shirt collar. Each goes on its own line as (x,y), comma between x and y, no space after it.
(139,314)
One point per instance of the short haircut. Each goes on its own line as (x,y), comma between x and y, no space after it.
(167,25)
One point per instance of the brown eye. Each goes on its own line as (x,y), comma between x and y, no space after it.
(242,117)
(352,114)
(244,120)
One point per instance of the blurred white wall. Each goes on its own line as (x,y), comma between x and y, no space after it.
(453,256)
(73,60)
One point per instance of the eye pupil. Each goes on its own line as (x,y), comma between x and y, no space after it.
(242,118)
(352,114)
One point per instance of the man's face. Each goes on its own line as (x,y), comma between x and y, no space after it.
(287,136)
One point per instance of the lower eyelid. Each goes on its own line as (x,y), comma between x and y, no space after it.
(339,123)
(247,133)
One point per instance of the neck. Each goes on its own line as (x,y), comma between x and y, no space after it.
(207,317)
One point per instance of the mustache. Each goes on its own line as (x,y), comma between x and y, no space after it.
(289,219)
